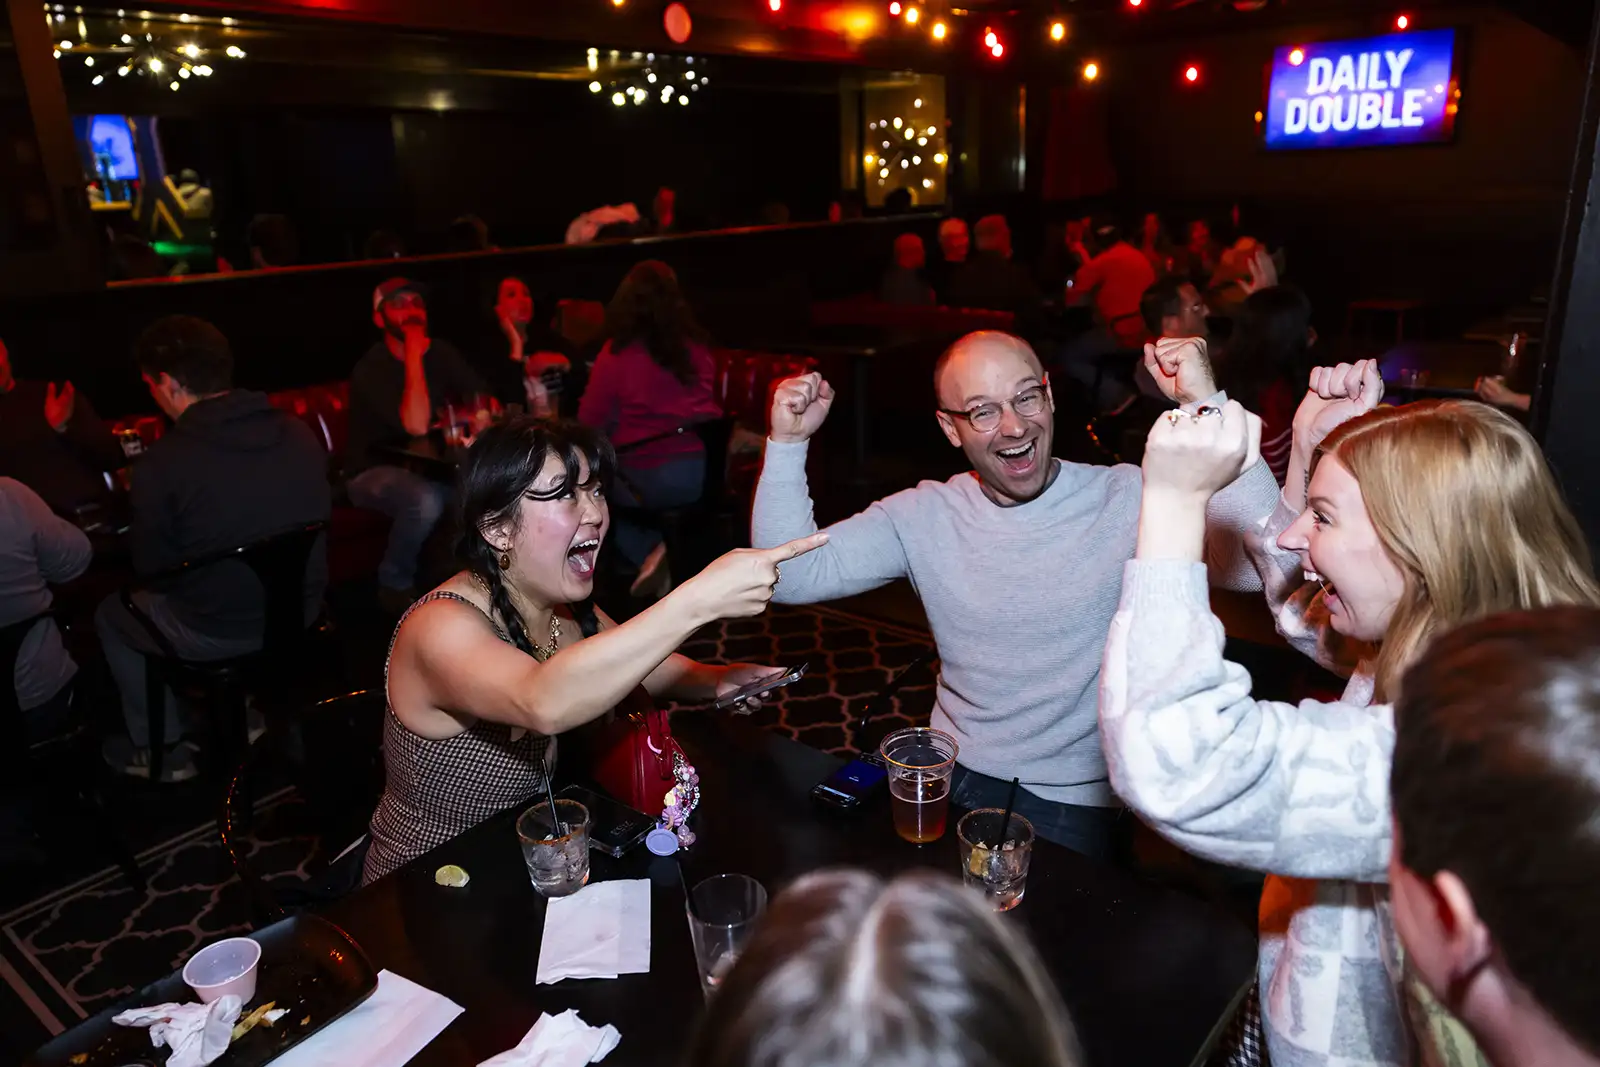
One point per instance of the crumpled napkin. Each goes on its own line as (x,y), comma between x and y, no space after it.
(559,1041)
(196,1033)
(600,931)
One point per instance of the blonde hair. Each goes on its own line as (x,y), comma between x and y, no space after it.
(1465,506)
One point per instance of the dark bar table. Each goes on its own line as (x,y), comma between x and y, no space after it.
(1150,976)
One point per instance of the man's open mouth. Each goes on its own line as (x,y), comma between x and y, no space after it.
(1019,459)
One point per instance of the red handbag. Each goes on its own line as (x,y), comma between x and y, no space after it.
(633,755)
(632,751)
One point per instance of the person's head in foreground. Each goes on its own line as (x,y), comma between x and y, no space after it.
(1495,786)
(532,494)
(849,971)
(995,405)
(182,360)
(993,235)
(909,253)
(1426,516)
(954,240)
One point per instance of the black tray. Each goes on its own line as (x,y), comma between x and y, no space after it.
(308,965)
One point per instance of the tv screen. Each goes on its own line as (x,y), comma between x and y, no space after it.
(1394,90)
(111,144)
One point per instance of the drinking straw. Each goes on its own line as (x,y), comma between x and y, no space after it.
(688,896)
(1005,821)
(556,827)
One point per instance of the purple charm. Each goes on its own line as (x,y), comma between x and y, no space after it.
(681,800)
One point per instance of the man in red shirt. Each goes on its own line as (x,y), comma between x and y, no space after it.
(1115,277)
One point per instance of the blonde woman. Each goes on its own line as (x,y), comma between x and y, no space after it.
(1418,518)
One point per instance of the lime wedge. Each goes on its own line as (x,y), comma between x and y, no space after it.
(452,876)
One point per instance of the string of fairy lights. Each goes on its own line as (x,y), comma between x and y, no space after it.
(640,77)
(174,49)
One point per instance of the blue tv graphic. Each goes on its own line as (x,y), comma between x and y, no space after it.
(1394,90)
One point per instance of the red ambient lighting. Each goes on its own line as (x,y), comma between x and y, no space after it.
(1192,74)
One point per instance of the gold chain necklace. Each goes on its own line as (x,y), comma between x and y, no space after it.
(540,652)
(544,652)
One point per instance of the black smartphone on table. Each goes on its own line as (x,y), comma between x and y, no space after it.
(614,827)
(854,784)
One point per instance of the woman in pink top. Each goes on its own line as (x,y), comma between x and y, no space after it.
(653,376)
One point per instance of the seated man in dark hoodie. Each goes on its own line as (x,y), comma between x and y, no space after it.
(230,471)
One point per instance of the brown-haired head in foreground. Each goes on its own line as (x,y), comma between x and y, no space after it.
(1496,782)
(650,308)
(849,971)
(1465,505)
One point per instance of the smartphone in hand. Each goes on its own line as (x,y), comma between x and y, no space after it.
(762,686)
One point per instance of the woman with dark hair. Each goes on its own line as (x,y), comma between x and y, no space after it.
(1266,365)
(1495,785)
(486,670)
(848,971)
(524,361)
(653,377)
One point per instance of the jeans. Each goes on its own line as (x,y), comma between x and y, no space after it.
(1100,833)
(414,503)
(126,640)
(673,484)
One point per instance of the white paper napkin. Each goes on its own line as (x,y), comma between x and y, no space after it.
(385,1030)
(559,1041)
(196,1033)
(600,931)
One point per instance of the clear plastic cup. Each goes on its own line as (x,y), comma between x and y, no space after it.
(723,912)
(557,856)
(223,968)
(920,762)
(999,868)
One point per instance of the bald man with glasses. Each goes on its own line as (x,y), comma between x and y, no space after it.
(1018,564)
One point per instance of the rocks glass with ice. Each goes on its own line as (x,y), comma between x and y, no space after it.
(997,866)
(557,854)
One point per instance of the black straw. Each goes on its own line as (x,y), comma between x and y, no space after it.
(688,897)
(1005,822)
(556,829)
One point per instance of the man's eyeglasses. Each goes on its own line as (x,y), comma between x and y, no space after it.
(985,418)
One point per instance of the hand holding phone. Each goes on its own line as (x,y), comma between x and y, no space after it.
(761,687)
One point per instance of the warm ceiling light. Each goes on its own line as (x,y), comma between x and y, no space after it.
(939,30)
(998,50)
(775,5)
(594,87)
(912,14)
(1297,57)
(894,7)
(1402,22)
(1192,74)
(1135,3)
(618,99)
(65,45)
(155,66)
(191,51)
(1058,30)
(1258,116)
(989,38)
(618,3)
(1091,71)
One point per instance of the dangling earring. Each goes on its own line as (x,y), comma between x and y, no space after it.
(505,560)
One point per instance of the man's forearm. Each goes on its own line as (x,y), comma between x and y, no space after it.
(416,408)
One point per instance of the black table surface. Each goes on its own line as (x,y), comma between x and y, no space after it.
(1149,976)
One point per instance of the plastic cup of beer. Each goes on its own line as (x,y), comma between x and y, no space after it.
(998,867)
(920,762)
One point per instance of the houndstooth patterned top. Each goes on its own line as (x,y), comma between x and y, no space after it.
(435,790)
